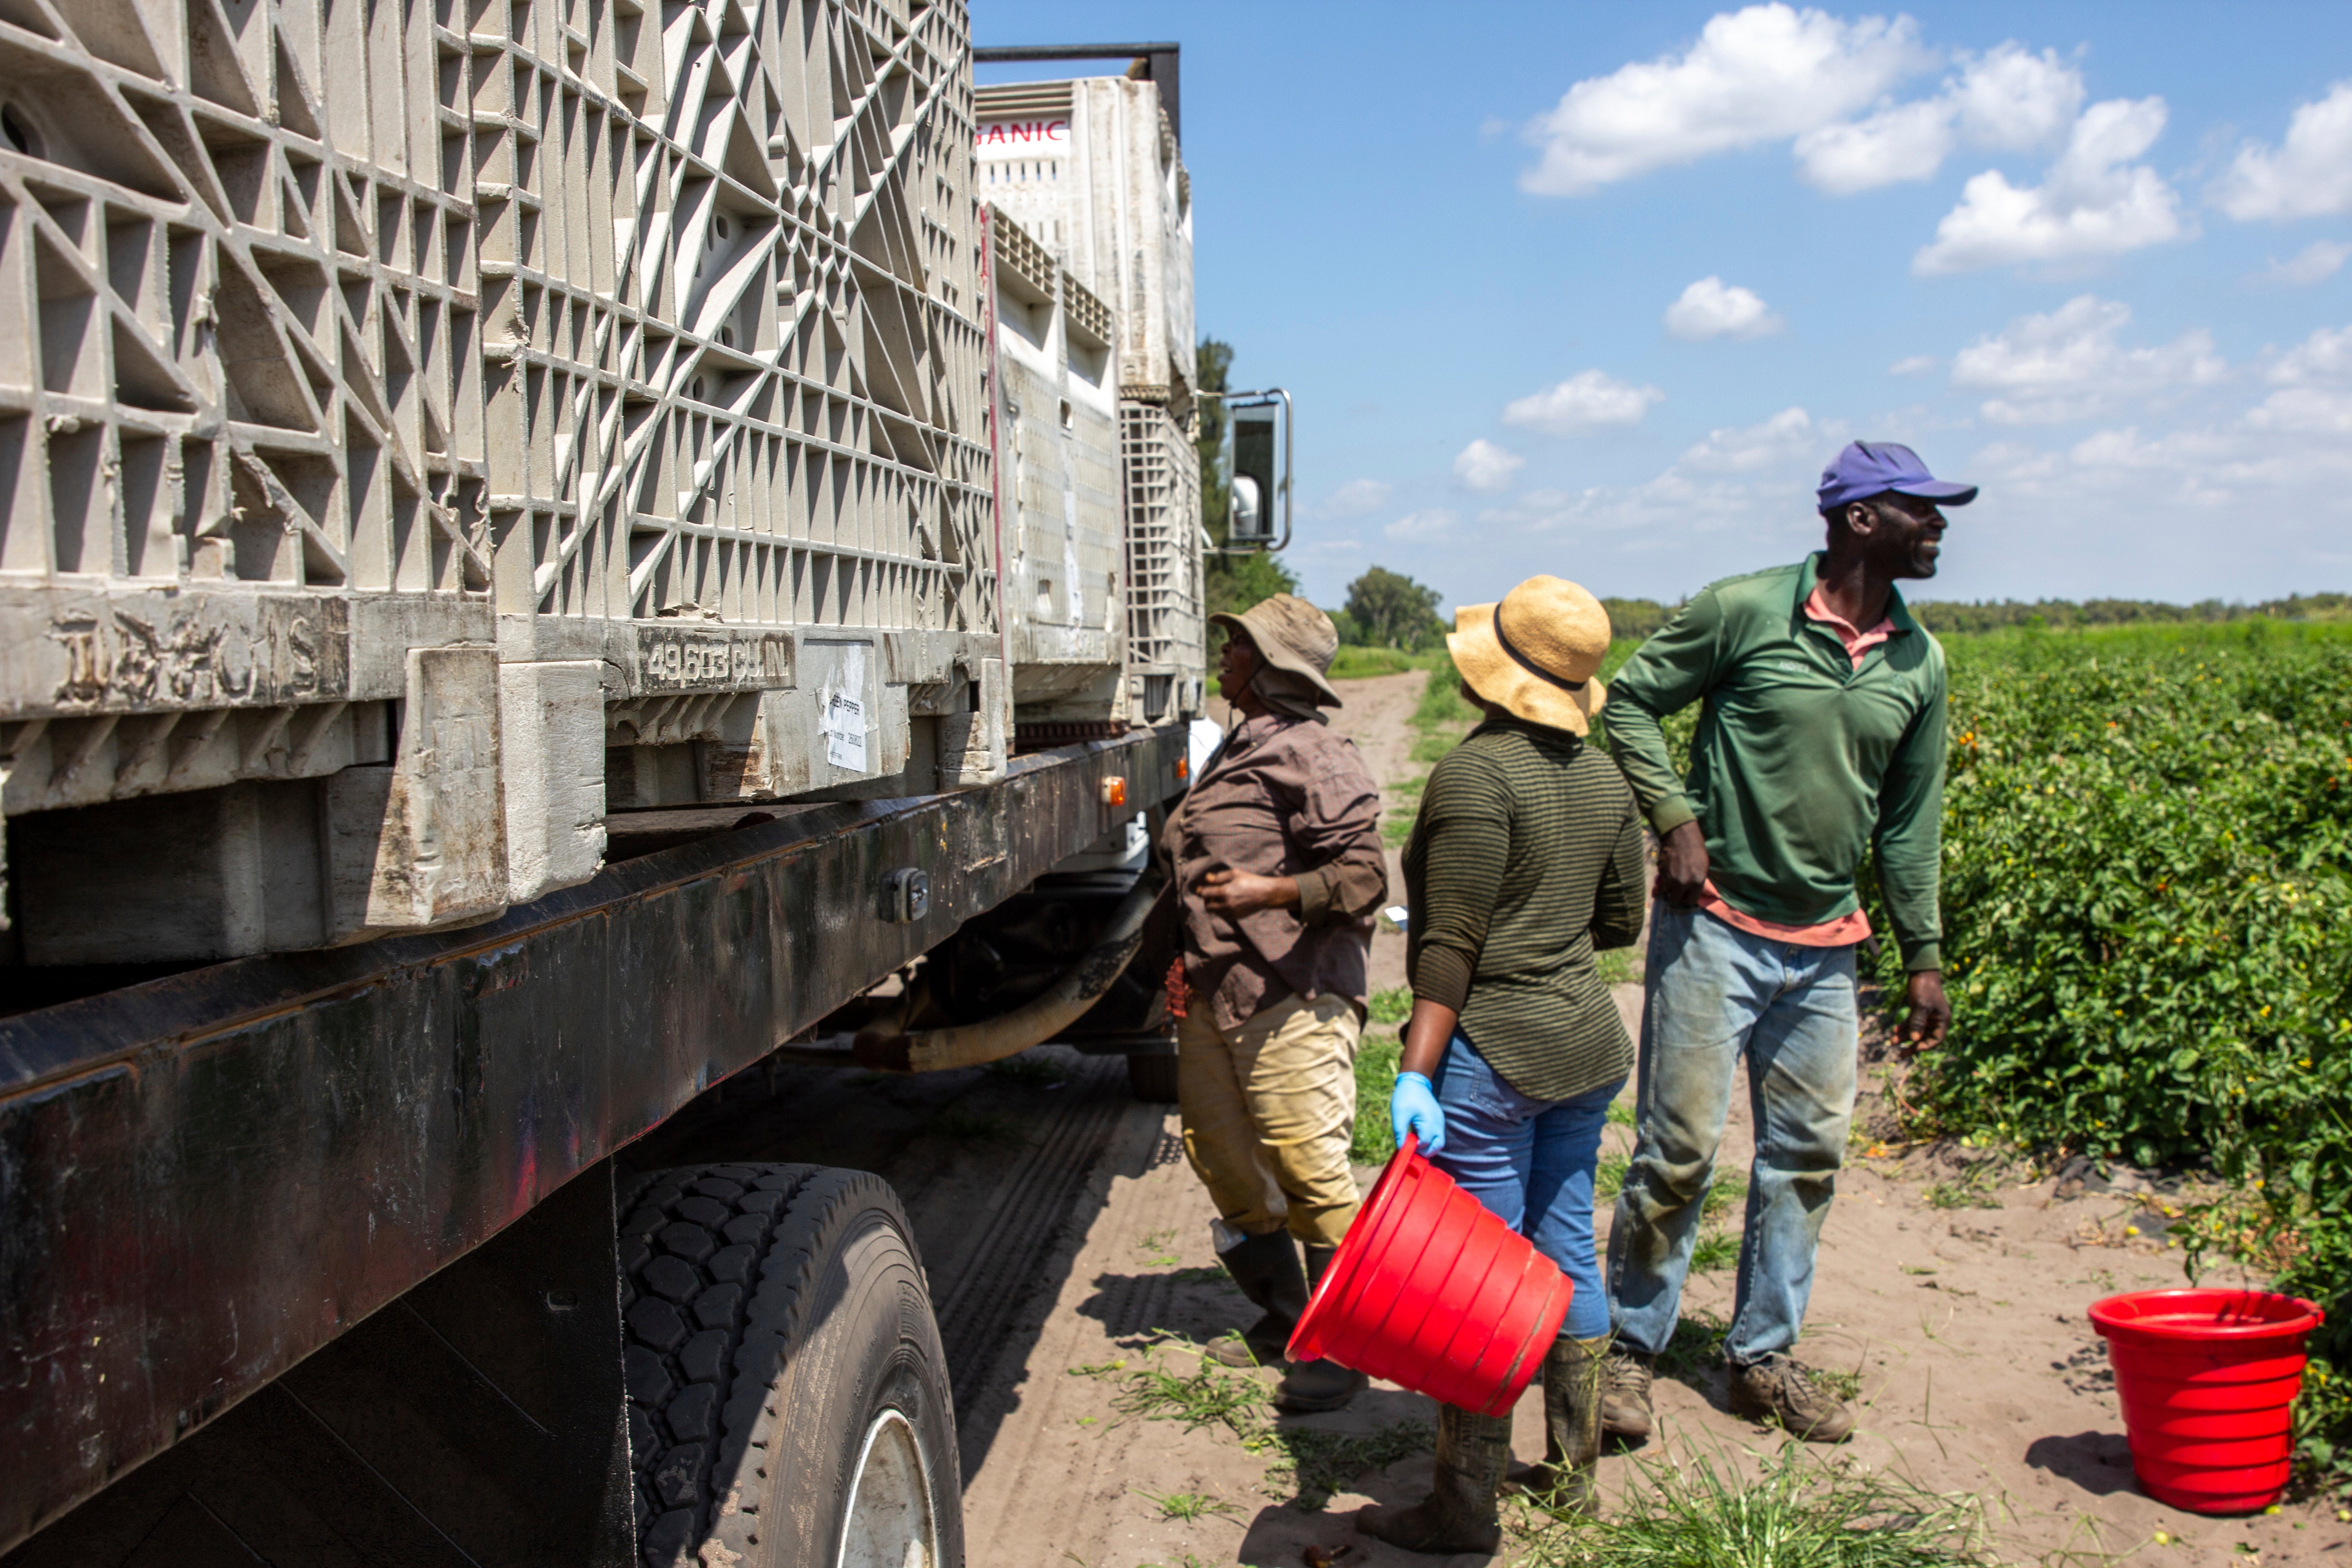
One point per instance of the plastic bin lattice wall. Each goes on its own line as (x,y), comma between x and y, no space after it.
(401,396)
(1165,650)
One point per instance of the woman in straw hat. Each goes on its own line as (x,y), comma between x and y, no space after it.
(1527,856)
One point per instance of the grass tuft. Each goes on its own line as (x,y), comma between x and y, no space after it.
(1185,1506)
(1392,1006)
(1715,1249)
(1317,1464)
(1620,966)
(1376,1069)
(1209,1396)
(1035,1071)
(1802,1512)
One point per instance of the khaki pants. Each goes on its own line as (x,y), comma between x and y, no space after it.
(1269,1109)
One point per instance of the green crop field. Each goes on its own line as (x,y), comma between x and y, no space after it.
(2147,918)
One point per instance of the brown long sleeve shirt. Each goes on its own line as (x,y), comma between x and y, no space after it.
(1283,797)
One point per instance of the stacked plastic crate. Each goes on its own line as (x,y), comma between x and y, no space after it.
(1091,167)
(411,415)
(1058,469)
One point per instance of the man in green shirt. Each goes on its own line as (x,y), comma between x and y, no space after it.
(1821,736)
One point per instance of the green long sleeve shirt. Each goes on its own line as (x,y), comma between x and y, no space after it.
(1802,762)
(1526,855)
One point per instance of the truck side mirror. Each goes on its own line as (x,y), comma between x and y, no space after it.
(1261,478)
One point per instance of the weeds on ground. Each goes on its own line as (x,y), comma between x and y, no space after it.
(1969,1190)
(1374,1141)
(1185,1506)
(1728,1191)
(1308,1465)
(1696,1347)
(1620,966)
(1391,1007)
(1609,1175)
(1210,1396)
(1620,1113)
(1715,1249)
(975,1127)
(1802,1512)
(1317,1464)
(1037,1072)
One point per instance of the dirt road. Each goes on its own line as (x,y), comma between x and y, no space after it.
(1068,1248)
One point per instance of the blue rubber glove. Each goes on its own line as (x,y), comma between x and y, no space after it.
(1413,1108)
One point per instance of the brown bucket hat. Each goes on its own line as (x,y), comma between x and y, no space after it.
(1537,652)
(1290,633)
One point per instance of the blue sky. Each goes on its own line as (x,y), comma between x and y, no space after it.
(1597,290)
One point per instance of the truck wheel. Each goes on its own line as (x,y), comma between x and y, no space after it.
(1152,1077)
(788,1399)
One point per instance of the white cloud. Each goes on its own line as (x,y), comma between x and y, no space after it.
(1588,401)
(2308,176)
(1707,308)
(1788,435)
(1913,364)
(2095,201)
(2010,99)
(2314,263)
(1761,74)
(2325,357)
(1484,465)
(1434,524)
(1357,498)
(2014,100)
(1908,142)
(2319,411)
(2069,364)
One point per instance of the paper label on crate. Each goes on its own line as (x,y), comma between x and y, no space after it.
(844,732)
(1043,136)
(841,715)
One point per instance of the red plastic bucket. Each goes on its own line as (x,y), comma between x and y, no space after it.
(1429,1289)
(2208,1381)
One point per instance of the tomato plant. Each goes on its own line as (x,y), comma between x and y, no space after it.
(2147,918)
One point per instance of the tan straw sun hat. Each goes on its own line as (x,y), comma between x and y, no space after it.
(1536,653)
(1293,634)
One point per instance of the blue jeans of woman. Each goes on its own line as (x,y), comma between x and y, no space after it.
(1717,993)
(1530,1161)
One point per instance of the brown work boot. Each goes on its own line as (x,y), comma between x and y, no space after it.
(1562,1484)
(1626,1379)
(1460,1514)
(1781,1389)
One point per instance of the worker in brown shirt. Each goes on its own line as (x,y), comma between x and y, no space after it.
(1277,851)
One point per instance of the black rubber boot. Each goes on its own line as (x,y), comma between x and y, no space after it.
(1267,1269)
(1316,1386)
(1563,1484)
(1459,1514)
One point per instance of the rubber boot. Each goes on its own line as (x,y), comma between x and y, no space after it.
(1563,1483)
(1267,1269)
(1309,1386)
(1460,1514)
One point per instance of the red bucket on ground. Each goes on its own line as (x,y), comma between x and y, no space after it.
(1430,1290)
(2208,1381)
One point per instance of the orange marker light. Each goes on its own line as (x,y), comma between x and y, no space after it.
(1114,791)
(1184,767)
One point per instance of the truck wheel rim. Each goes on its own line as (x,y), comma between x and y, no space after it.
(890,1522)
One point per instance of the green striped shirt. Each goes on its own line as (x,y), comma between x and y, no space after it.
(1527,856)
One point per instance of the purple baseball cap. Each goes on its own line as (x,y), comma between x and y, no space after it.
(1867,469)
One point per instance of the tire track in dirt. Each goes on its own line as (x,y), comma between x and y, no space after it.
(1033,1203)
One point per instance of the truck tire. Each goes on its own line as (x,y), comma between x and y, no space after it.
(788,1399)
(1152,1075)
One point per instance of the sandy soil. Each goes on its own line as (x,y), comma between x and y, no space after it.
(1978,1371)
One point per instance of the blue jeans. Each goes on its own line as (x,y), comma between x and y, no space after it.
(1530,1161)
(1715,991)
